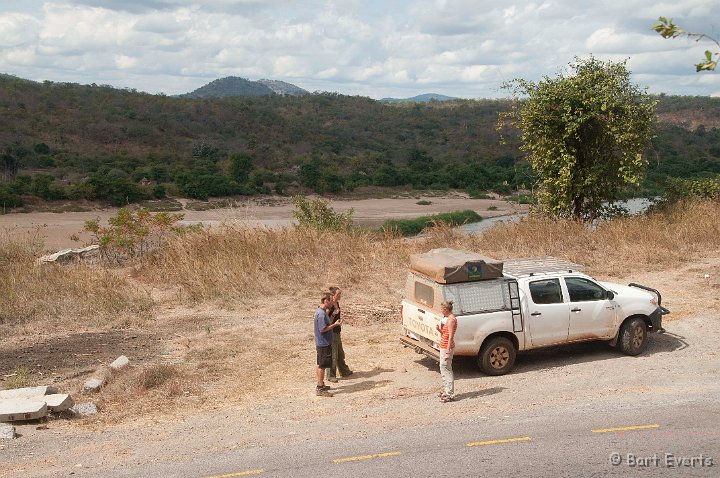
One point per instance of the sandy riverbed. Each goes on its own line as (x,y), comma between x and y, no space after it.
(56,228)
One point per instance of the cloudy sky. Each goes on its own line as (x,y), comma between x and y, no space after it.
(375,48)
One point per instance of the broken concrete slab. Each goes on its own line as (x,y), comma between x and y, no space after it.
(15,409)
(58,402)
(67,255)
(93,385)
(84,409)
(28,392)
(7,432)
(119,363)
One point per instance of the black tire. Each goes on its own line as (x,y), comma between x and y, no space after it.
(497,356)
(633,336)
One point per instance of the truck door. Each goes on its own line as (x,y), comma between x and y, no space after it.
(549,316)
(592,314)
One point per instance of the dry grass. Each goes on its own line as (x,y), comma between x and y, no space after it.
(51,296)
(20,378)
(616,247)
(243,264)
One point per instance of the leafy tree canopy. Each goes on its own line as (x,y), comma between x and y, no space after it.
(584,134)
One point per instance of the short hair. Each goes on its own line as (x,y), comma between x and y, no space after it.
(334,289)
(448,304)
(325,296)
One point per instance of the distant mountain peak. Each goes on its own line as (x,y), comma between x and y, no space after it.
(282,88)
(424,98)
(237,86)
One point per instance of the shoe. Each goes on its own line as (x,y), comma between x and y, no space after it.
(324,387)
(442,395)
(322,393)
(346,374)
(446,398)
(332,379)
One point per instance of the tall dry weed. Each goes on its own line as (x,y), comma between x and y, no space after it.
(242,263)
(678,233)
(239,263)
(48,296)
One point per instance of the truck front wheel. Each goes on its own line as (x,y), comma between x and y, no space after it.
(633,336)
(497,356)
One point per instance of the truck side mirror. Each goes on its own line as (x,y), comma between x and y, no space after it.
(610,295)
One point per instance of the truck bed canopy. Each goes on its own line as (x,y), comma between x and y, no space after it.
(447,266)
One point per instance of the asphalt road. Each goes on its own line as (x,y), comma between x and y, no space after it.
(658,436)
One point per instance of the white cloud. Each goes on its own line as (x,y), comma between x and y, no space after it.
(461,48)
(17,29)
(125,62)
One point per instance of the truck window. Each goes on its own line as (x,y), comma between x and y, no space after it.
(424,294)
(546,291)
(581,290)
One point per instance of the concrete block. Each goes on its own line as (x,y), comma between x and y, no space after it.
(15,409)
(93,385)
(58,402)
(7,432)
(120,363)
(28,392)
(83,409)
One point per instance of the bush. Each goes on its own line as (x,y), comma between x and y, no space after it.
(317,214)
(679,189)
(132,233)
(8,198)
(411,227)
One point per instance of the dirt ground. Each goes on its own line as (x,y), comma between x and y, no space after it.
(56,228)
(247,374)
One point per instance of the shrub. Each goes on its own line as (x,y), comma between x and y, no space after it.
(411,227)
(132,233)
(317,214)
(678,189)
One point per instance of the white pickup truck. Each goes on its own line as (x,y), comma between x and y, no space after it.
(523,304)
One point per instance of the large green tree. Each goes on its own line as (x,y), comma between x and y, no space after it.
(584,133)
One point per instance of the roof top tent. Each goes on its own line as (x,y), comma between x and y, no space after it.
(448,266)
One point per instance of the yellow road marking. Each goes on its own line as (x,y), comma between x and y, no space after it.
(493,442)
(240,473)
(367,457)
(622,429)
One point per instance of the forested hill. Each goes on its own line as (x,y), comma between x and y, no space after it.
(86,141)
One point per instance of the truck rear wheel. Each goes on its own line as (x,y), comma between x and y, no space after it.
(497,356)
(633,336)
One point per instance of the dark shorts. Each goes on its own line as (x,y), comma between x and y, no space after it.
(324,356)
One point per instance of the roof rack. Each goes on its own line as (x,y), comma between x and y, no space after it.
(538,265)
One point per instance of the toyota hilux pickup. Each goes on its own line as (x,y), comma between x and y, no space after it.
(521,304)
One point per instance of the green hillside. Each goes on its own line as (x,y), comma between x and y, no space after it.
(70,141)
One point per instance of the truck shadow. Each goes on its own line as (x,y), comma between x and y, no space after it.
(591,352)
(561,355)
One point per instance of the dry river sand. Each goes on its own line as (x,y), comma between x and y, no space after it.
(56,228)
